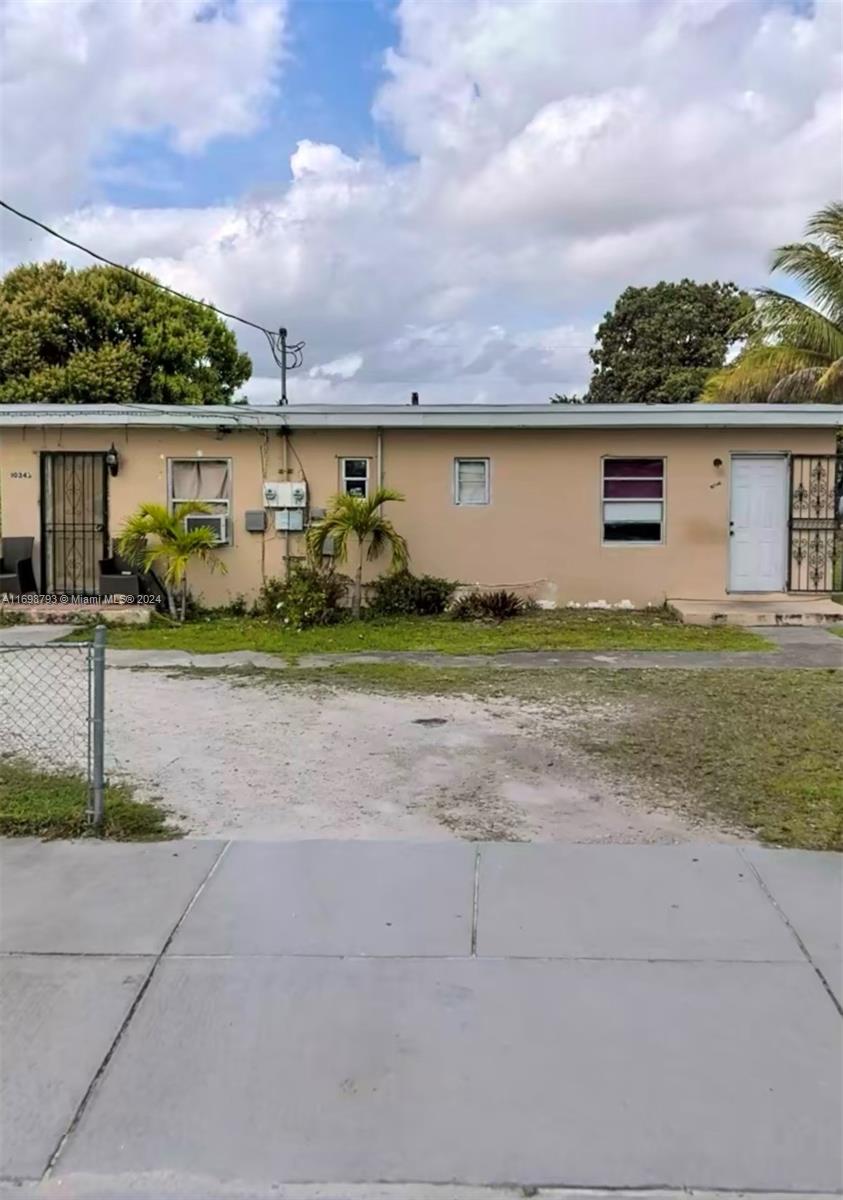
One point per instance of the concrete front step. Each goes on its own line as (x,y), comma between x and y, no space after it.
(760,610)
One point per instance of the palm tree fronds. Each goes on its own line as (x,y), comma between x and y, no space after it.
(827,227)
(190,508)
(385,534)
(155,536)
(830,383)
(333,526)
(382,495)
(783,318)
(154,514)
(359,517)
(819,273)
(797,387)
(754,375)
(794,347)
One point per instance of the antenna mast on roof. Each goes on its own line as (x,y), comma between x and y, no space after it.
(287,357)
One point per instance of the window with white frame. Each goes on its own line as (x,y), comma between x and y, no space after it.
(633,500)
(471,481)
(206,480)
(354,476)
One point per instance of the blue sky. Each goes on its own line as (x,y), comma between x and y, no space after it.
(333,65)
(438,195)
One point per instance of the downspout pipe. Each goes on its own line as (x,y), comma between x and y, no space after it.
(285,470)
(379,454)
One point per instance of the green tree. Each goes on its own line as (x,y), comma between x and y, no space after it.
(659,344)
(794,347)
(359,517)
(153,536)
(101,336)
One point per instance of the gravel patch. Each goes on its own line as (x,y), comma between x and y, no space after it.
(234,759)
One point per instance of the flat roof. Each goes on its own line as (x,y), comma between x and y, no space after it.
(426,416)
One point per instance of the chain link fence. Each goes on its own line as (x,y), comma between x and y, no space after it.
(52,708)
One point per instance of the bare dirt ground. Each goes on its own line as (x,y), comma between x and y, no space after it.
(236,759)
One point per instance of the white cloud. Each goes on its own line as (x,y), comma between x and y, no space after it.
(559,151)
(79,73)
(341,368)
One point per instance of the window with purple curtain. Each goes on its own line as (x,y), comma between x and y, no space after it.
(633,500)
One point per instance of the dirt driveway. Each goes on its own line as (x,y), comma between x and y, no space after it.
(234,758)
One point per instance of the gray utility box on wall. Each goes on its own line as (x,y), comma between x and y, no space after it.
(290,520)
(255,520)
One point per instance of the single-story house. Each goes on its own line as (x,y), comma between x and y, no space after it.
(566,503)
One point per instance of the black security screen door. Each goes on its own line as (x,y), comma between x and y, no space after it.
(74,522)
(816,523)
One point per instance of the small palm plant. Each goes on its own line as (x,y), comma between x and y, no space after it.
(359,517)
(794,347)
(155,536)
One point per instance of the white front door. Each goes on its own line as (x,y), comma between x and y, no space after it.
(758,525)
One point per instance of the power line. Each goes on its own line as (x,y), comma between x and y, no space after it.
(270,333)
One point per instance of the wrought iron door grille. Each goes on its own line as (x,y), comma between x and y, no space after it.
(816,523)
(74,521)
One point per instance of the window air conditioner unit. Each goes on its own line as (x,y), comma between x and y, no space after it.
(217,523)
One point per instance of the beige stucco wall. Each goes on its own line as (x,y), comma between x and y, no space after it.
(542,527)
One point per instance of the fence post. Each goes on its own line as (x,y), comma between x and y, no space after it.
(98,729)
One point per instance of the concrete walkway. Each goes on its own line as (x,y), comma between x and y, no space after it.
(375,1021)
(799,647)
(31,635)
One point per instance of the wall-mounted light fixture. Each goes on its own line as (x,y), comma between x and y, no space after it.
(112,459)
(718,462)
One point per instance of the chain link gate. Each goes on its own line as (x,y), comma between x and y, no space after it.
(816,523)
(52,709)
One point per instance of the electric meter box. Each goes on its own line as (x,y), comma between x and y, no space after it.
(285,495)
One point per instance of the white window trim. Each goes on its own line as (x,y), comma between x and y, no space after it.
(344,478)
(487,491)
(621,545)
(172,500)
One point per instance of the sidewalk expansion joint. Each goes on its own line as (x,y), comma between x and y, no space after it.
(762,884)
(127,1020)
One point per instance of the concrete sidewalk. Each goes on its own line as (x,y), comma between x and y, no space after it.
(797,648)
(399,1020)
(794,648)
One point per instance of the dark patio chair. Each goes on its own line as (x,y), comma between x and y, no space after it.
(117,578)
(17,575)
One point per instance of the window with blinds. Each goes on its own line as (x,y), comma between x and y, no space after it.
(471,481)
(633,500)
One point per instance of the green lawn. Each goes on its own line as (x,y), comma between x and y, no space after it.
(564,630)
(757,750)
(10,617)
(753,750)
(51,804)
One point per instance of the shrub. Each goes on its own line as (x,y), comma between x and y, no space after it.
(310,596)
(489,606)
(237,607)
(197,611)
(403,594)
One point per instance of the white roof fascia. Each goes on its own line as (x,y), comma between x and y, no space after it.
(467,416)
